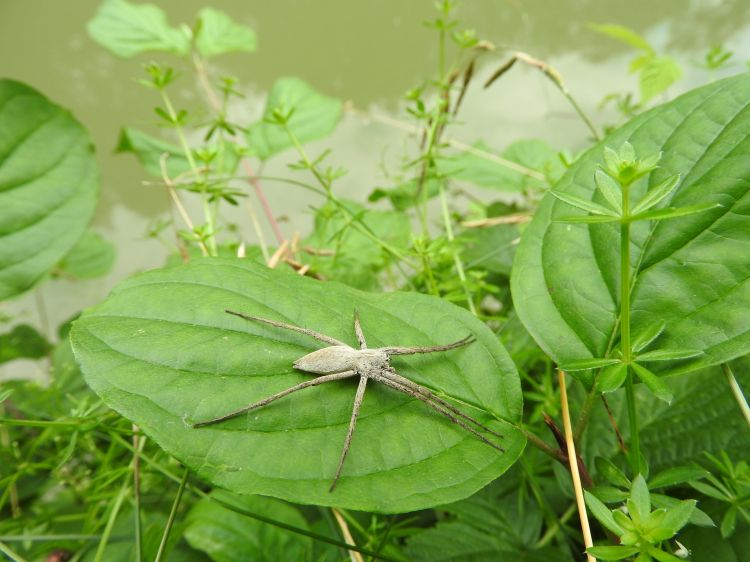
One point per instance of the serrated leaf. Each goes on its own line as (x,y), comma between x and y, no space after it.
(602,513)
(48,186)
(653,382)
(162,352)
(612,378)
(678,516)
(610,188)
(584,205)
(91,257)
(216,33)
(647,335)
(593,363)
(668,354)
(656,194)
(313,115)
(677,475)
(612,552)
(565,281)
(129,29)
(673,212)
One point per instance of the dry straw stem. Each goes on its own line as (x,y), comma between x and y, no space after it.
(348,539)
(577,488)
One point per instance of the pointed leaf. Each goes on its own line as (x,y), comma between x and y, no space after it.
(584,205)
(656,194)
(48,186)
(639,495)
(698,517)
(587,219)
(668,354)
(593,363)
(612,552)
(679,515)
(729,522)
(162,352)
(610,188)
(673,212)
(653,382)
(709,491)
(612,378)
(565,281)
(647,335)
(606,469)
(663,556)
(216,34)
(313,115)
(624,34)
(677,475)
(602,513)
(129,29)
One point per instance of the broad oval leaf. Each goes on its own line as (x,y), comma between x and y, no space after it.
(313,115)
(216,34)
(692,272)
(162,352)
(91,257)
(48,185)
(129,29)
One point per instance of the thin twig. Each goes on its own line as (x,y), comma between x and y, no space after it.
(258,231)
(737,391)
(178,204)
(10,554)
(573,463)
(348,539)
(170,520)
(137,494)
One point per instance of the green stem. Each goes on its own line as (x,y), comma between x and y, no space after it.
(10,554)
(111,521)
(635,446)
(170,521)
(585,413)
(737,391)
(456,256)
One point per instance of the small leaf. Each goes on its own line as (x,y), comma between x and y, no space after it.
(23,342)
(602,513)
(646,336)
(668,354)
(606,469)
(729,522)
(677,475)
(624,34)
(586,219)
(672,212)
(660,555)
(678,516)
(708,490)
(610,188)
(313,115)
(654,383)
(612,552)
(216,33)
(593,363)
(698,517)
(91,257)
(129,29)
(584,204)
(612,377)
(641,501)
(654,195)
(658,74)
(610,494)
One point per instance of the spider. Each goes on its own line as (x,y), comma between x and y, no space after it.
(341,361)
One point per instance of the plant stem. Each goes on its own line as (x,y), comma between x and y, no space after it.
(10,554)
(346,533)
(170,520)
(573,462)
(111,520)
(456,256)
(737,391)
(585,413)
(635,446)
(137,494)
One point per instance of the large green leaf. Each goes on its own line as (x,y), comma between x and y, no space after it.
(129,29)
(48,185)
(313,115)
(692,272)
(162,352)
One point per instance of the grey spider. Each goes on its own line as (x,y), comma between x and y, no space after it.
(341,361)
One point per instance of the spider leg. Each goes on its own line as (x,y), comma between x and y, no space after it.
(292,327)
(359,332)
(412,350)
(355,414)
(406,390)
(260,403)
(427,393)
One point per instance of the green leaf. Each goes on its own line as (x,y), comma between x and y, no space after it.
(587,219)
(48,186)
(653,382)
(130,29)
(668,354)
(677,475)
(647,335)
(406,195)
(709,491)
(610,494)
(584,204)
(313,116)
(593,363)
(612,552)
(162,352)
(606,469)
(697,517)
(624,34)
(691,273)
(602,513)
(23,341)
(610,188)
(662,556)
(150,150)
(656,194)
(355,258)
(673,212)
(612,377)
(641,501)
(488,172)
(657,74)
(729,522)
(91,257)
(228,536)
(216,33)
(678,516)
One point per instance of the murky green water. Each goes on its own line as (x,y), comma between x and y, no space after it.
(364,51)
